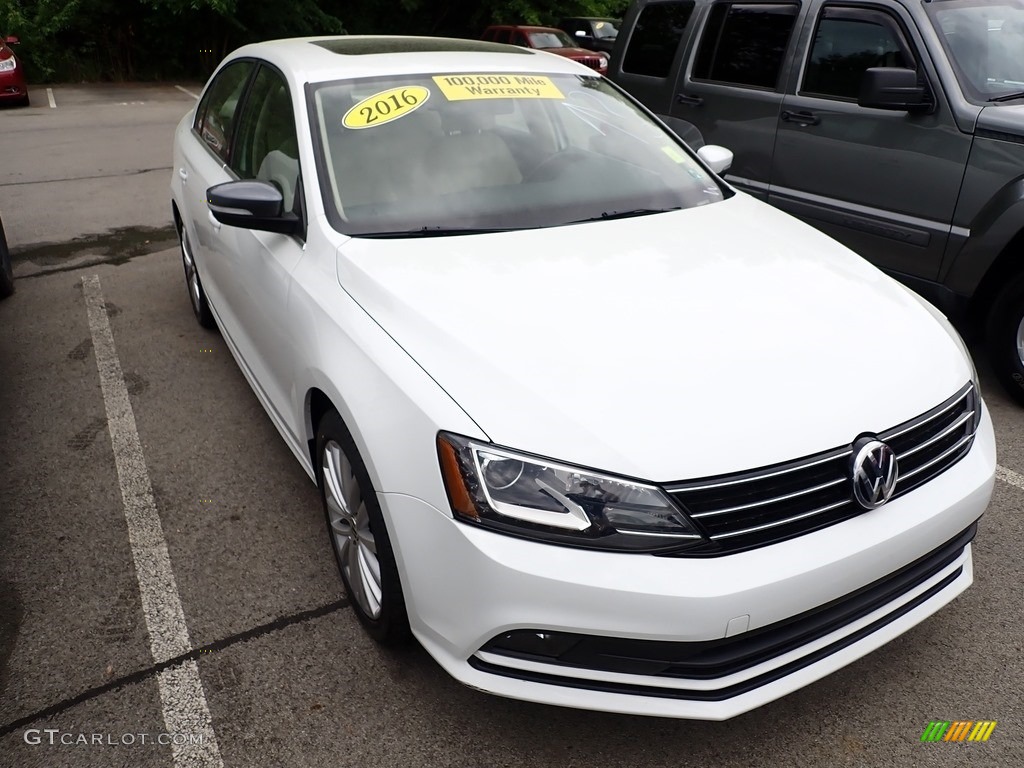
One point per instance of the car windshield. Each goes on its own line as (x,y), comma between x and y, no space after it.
(605,30)
(550,39)
(420,153)
(985,40)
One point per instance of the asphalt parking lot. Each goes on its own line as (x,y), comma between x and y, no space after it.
(285,675)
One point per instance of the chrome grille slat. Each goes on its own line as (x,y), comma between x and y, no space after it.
(959,444)
(953,427)
(892,434)
(754,508)
(765,502)
(678,487)
(777,523)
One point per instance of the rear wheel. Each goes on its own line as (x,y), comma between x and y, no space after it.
(1005,335)
(6,268)
(359,537)
(196,294)
(25,102)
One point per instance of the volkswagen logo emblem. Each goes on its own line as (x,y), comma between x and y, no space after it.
(873,472)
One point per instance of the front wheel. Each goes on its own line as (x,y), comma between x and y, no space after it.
(196,294)
(1005,336)
(358,534)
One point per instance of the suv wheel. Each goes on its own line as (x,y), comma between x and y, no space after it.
(1005,336)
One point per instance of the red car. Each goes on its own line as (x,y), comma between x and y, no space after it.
(12,77)
(548,39)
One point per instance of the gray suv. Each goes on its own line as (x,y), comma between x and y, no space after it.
(895,126)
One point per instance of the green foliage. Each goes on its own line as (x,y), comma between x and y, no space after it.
(69,40)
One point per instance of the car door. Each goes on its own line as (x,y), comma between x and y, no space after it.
(732,90)
(885,182)
(203,163)
(260,264)
(647,63)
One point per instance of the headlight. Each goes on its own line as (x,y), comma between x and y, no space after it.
(529,496)
(8,64)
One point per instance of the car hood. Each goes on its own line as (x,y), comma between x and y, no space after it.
(1004,118)
(665,347)
(572,53)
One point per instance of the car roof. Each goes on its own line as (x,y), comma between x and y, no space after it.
(319,59)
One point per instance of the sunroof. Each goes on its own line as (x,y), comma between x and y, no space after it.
(357,46)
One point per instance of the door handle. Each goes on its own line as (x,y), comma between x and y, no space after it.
(685,98)
(213,220)
(183,174)
(803,117)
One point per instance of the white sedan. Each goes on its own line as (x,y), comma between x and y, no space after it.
(595,428)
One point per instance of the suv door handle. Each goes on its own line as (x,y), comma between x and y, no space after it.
(803,117)
(694,101)
(183,174)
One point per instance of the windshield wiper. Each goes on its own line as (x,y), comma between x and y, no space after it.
(435,232)
(1009,96)
(609,215)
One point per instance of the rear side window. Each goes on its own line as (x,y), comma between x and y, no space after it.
(215,118)
(655,38)
(848,41)
(745,44)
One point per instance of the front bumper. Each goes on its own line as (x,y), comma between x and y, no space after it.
(464,586)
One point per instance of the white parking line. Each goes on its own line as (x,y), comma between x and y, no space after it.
(187,92)
(49,98)
(1009,476)
(181,690)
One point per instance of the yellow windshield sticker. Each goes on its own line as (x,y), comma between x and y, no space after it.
(674,153)
(464,87)
(386,106)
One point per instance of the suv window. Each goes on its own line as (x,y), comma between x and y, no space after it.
(215,116)
(745,44)
(267,146)
(656,35)
(848,41)
(502,35)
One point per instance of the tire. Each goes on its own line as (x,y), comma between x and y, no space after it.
(6,268)
(359,537)
(26,102)
(196,294)
(1005,338)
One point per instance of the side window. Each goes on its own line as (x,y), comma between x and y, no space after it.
(267,147)
(502,35)
(215,117)
(655,38)
(572,27)
(745,44)
(848,41)
(520,39)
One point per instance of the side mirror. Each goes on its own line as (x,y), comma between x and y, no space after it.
(251,205)
(719,159)
(892,88)
(581,33)
(12,40)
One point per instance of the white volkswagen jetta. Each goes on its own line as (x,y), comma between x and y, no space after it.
(598,429)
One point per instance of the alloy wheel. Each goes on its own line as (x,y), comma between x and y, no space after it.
(350,526)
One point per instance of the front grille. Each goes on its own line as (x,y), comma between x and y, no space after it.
(594,62)
(752,509)
(718,659)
